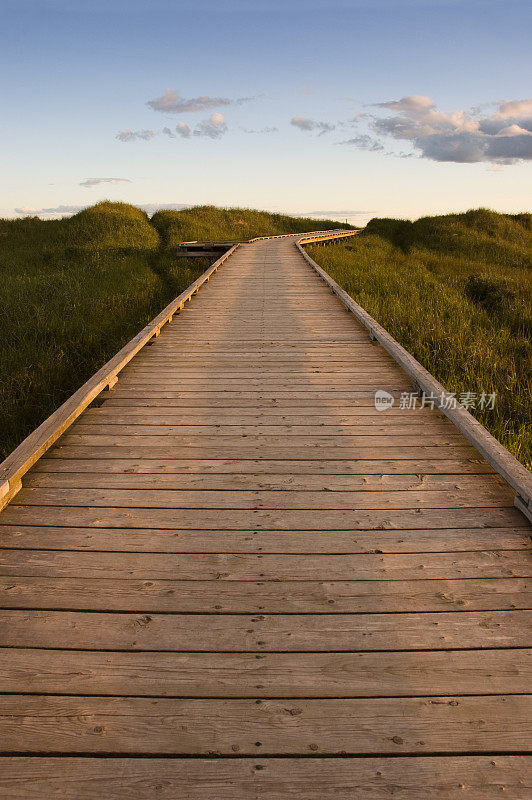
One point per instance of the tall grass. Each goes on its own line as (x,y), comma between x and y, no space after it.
(456,292)
(74,291)
(208,223)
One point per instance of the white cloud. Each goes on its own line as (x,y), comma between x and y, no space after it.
(57,211)
(149,208)
(306,124)
(171,102)
(516,108)
(132,136)
(26,210)
(460,136)
(89,182)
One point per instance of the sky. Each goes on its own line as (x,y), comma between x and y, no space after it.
(348,109)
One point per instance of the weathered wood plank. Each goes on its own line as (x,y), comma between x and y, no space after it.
(246,450)
(446,441)
(44,724)
(268,567)
(267,675)
(363,416)
(220,428)
(445,630)
(280,519)
(487,496)
(237,467)
(313,597)
(448,540)
(412,778)
(92,479)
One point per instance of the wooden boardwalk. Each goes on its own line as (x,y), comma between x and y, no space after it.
(235,579)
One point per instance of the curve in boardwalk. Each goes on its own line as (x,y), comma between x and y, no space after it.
(236,579)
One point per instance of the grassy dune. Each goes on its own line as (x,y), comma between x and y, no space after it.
(74,291)
(456,291)
(208,222)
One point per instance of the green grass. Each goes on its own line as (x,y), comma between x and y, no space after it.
(74,291)
(456,292)
(208,223)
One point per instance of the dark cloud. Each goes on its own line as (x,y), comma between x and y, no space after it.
(213,128)
(459,136)
(183,130)
(364,142)
(306,124)
(132,136)
(260,130)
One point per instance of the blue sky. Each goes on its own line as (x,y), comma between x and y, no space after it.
(351,108)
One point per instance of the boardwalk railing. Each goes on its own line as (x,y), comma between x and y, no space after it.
(493,451)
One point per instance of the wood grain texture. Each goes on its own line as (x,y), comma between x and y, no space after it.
(148,540)
(267,567)
(276,597)
(268,675)
(414,778)
(391,726)
(262,632)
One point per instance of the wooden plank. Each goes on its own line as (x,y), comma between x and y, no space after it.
(447,540)
(247,450)
(269,567)
(489,496)
(233,416)
(446,630)
(104,418)
(274,519)
(286,467)
(90,479)
(112,428)
(411,778)
(170,364)
(313,597)
(268,675)
(171,358)
(276,387)
(233,440)
(44,724)
(177,400)
(303,395)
